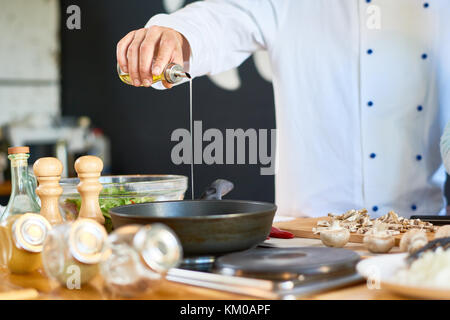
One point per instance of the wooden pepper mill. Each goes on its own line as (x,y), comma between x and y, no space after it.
(48,173)
(89,169)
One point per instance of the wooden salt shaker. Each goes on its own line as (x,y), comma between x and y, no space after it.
(48,173)
(89,169)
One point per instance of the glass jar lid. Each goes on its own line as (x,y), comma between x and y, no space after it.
(159,247)
(29,232)
(86,240)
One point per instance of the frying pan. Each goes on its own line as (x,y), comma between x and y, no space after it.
(210,226)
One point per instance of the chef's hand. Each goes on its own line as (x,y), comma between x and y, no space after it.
(146,52)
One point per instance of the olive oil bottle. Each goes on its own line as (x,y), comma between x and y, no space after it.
(21,241)
(173,73)
(23,198)
(74,247)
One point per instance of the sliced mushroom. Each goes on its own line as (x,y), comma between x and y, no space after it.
(358,221)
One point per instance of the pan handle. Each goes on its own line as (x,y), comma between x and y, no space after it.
(217,190)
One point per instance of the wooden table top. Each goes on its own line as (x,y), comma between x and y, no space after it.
(49,289)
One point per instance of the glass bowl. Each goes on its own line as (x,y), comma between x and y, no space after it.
(122,190)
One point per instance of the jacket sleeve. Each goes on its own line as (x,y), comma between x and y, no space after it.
(221,33)
(445,147)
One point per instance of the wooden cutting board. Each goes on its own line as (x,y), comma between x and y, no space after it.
(302,228)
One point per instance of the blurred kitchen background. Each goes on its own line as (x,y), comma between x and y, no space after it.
(60,94)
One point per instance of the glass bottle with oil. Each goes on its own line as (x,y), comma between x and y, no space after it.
(21,241)
(173,73)
(23,197)
(72,252)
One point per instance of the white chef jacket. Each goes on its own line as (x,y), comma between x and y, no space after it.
(361,93)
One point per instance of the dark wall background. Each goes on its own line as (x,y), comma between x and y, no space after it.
(139,121)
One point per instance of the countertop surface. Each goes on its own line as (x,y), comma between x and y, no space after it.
(173,291)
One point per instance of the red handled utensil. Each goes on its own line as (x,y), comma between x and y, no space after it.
(281,234)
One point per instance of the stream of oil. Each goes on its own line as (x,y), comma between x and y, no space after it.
(191,123)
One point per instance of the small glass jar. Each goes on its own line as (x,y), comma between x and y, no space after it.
(138,257)
(21,241)
(72,252)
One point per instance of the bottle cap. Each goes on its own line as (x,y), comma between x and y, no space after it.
(175,73)
(159,247)
(30,231)
(16,150)
(86,241)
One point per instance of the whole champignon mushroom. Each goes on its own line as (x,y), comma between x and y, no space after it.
(335,236)
(442,232)
(379,240)
(412,240)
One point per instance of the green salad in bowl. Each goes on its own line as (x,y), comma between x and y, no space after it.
(123,190)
